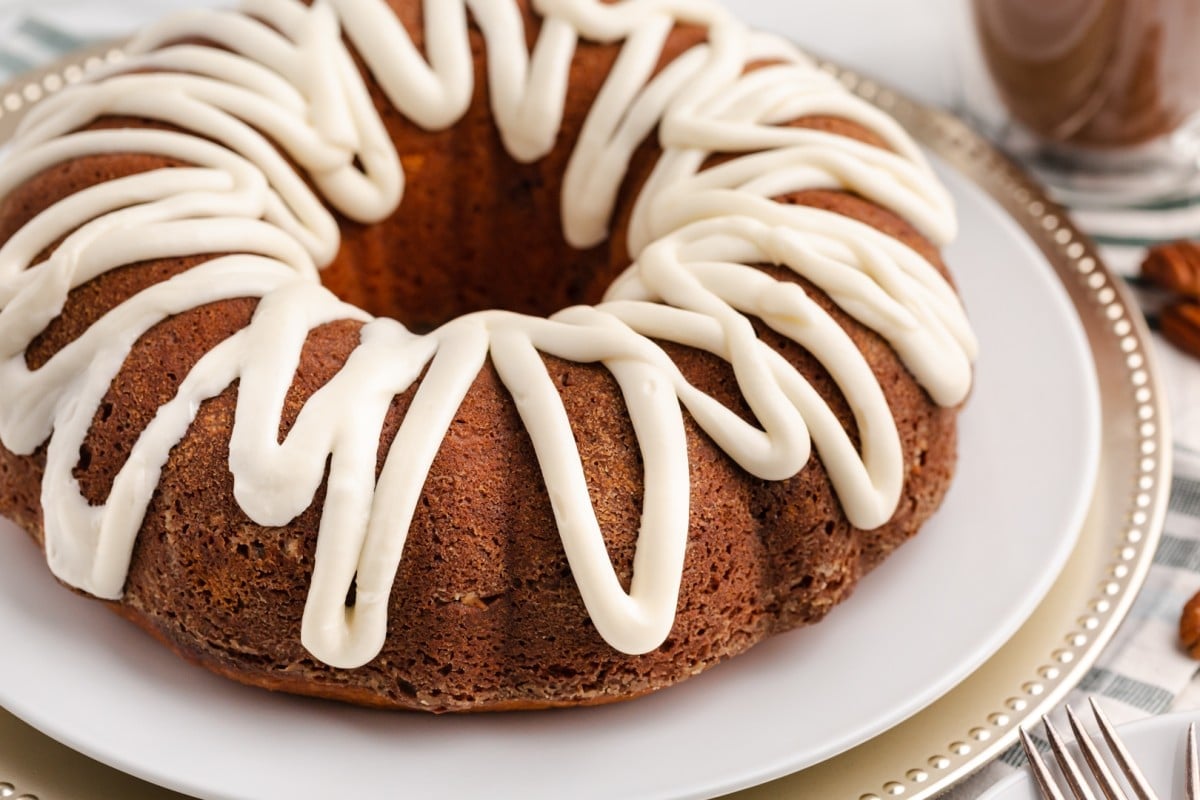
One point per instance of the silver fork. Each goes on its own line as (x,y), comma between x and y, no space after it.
(1073,775)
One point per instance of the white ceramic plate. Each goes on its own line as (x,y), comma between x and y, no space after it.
(1156,743)
(924,621)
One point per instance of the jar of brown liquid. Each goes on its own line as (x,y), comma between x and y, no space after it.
(1101,95)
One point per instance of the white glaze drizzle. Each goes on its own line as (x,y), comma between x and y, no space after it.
(285,76)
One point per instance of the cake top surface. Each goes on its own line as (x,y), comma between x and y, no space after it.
(284,87)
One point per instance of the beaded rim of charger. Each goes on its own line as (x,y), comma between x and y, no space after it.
(19,95)
(1113,325)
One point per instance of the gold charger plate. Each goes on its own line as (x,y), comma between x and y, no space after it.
(979,718)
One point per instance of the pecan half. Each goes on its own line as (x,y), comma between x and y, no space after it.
(1174,267)
(1179,323)
(1189,626)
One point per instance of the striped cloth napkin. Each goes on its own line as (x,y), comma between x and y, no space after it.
(1143,671)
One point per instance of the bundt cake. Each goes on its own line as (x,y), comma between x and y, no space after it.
(471,355)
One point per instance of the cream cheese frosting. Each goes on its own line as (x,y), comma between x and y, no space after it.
(285,86)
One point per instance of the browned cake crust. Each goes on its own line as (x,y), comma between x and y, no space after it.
(485,614)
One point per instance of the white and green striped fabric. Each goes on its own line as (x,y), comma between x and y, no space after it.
(1143,671)
(31,43)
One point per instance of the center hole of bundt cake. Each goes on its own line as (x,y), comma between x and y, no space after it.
(474,231)
(478,230)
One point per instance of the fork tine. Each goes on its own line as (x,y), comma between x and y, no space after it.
(1136,779)
(1071,772)
(1108,782)
(1041,773)
(1193,764)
